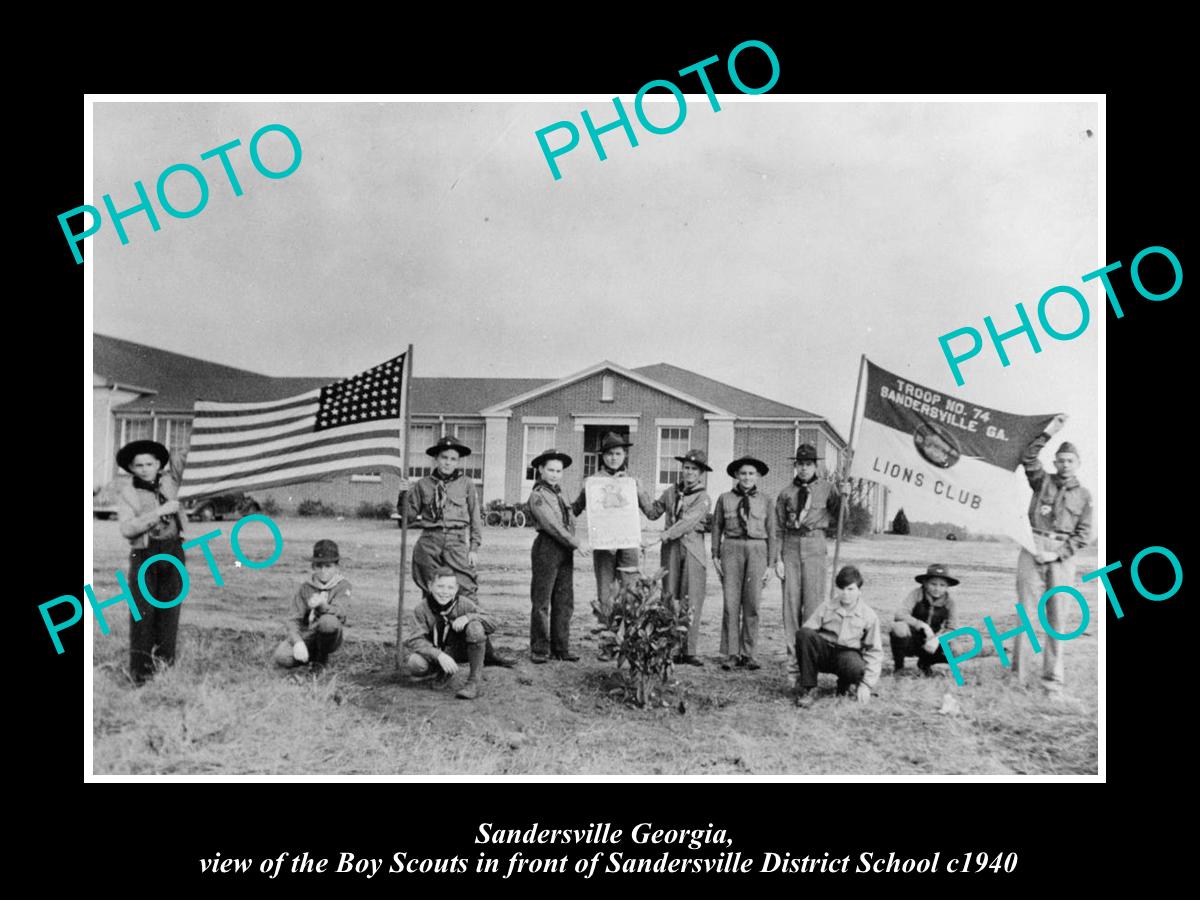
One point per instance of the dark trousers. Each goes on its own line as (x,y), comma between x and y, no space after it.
(552,593)
(153,636)
(914,645)
(818,655)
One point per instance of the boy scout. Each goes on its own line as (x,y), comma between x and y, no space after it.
(685,504)
(447,628)
(149,519)
(552,590)
(927,612)
(447,505)
(1060,511)
(611,565)
(318,612)
(743,540)
(803,510)
(842,636)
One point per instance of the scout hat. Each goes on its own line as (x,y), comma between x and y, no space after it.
(806,453)
(448,443)
(612,439)
(324,551)
(746,461)
(696,458)
(937,570)
(127,454)
(1064,447)
(549,455)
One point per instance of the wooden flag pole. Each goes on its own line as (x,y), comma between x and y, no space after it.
(837,547)
(401,506)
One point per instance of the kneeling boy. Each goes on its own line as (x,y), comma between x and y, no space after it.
(841,636)
(447,628)
(318,612)
(927,612)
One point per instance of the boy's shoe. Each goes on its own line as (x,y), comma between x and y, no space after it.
(691,661)
(538,658)
(741,662)
(927,671)
(568,656)
(494,657)
(728,663)
(805,698)
(468,691)
(751,663)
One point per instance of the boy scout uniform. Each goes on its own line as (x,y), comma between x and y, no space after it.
(743,539)
(552,589)
(683,542)
(451,523)
(1060,512)
(801,524)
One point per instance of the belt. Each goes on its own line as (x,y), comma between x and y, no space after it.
(803,531)
(1061,535)
(742,537)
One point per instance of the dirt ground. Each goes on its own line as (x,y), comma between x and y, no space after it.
(224,709)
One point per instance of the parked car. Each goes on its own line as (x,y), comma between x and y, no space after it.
(221,506)
(104,500)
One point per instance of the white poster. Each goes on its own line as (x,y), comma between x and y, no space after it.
(612,512)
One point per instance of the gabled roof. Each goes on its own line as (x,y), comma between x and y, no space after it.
(606,365)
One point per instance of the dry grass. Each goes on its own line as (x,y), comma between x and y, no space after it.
(225,710)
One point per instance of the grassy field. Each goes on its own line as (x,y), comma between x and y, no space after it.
(223,709)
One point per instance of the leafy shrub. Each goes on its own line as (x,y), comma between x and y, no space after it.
(859,520)
(270,506)
(369,510)
(315,508)
(643,629)
(900,523)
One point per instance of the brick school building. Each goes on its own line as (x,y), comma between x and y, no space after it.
(143,392)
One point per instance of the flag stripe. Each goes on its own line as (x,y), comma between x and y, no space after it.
(297,460)
(204,429)
(291,414)
(215,441)
(220,409)
(372,431)
(298,474)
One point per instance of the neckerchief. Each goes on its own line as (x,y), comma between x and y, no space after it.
(1060,482)
(153,487)
(439,491)
(441,624)
(556,490)
(681,491)
(744,505)
(801,498)
(605,470)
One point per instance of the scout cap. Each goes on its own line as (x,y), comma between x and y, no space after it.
(611,440)
(324,551)
(937,570)
(448,443)
(127,454)
(806,453)
(1064,447)
(546,457)
(746,461)
(696,458)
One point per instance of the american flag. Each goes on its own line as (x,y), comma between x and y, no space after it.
(352,425)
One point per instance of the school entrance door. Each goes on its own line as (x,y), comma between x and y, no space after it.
(591,444)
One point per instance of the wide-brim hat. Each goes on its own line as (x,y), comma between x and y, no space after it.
(448,443)
(127,454)
(696,458)
(937,570)
(806,453)
(732,468)
(611,440)
(551,455)
(324,551)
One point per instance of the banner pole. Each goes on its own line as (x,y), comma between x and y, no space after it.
(401,505)
(837,547)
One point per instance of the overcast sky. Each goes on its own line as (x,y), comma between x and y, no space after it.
(767,245)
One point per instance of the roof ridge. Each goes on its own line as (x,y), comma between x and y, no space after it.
(727,384)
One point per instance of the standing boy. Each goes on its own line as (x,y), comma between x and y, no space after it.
(803,510)
(623,563)
(552,589)
(148,515)
(743,540)
(928,611)
(318,612)
(1060,511)
(842,636)
(686,504)
(447,505)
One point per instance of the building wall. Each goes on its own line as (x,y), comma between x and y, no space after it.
(584,398)
(339,491)
(104,430)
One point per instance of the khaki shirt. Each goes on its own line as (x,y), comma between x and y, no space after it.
(761,523)
(685,527)
(856,628)
(818,512)
(421,631)
(461,509)
(548,514)
(137,519)
(1059,505)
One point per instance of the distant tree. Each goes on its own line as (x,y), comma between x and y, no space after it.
(900,523)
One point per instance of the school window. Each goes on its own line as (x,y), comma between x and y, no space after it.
(472,437)
(174,434)
(139,429)
(606,388)
(672,442)
(421,438)
(538,439)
